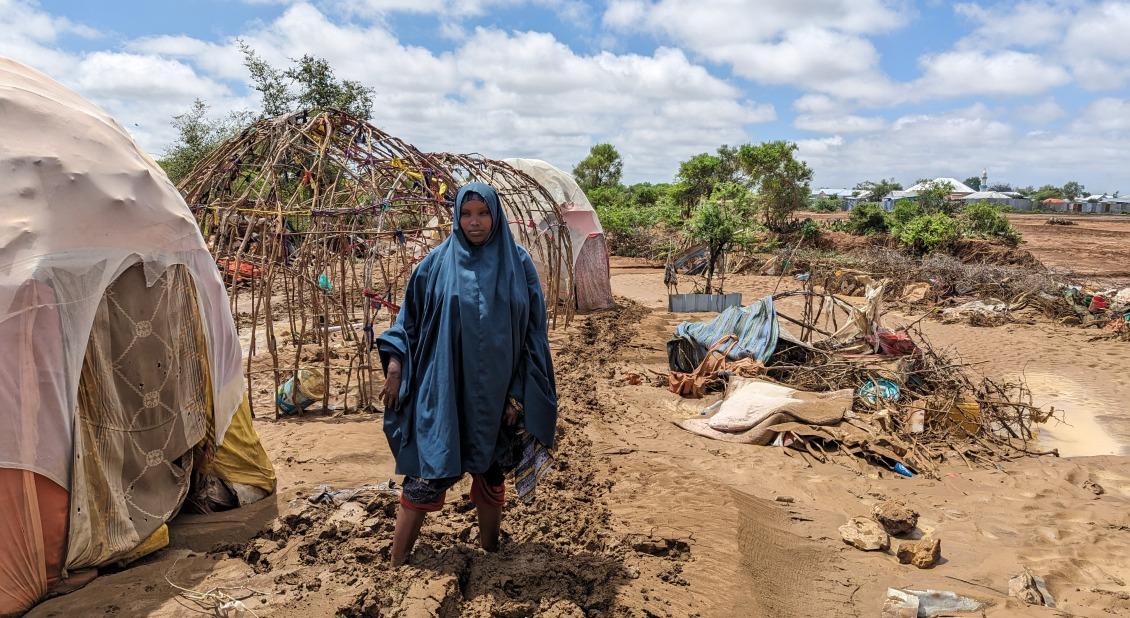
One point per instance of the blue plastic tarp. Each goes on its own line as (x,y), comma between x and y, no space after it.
(755,326)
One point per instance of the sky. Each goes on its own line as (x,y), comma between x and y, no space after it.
(1034,92)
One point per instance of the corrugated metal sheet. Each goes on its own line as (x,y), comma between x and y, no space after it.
(698,303)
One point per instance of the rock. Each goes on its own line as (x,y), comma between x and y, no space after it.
(1030,589)
(923,554)
(862,533)
(785,499)
(895,517)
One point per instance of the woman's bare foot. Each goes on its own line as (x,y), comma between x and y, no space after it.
(407,530)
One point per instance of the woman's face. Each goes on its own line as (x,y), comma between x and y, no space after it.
(475,221)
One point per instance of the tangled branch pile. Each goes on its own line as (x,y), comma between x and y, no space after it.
(914,404)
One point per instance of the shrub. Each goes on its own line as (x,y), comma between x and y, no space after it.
(928,233)
(904,212)
(809,229)
(988,221)
(868,218)
(826,204)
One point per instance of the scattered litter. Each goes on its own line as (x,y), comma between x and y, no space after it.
(803,276)
(753,408)
(300,391)
(1030,589)
(903,470)
(325,494)
(990,312)
(915,292)
(881,389)
(926,603)
(1093,487)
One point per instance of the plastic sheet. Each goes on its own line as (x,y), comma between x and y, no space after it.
(82,203)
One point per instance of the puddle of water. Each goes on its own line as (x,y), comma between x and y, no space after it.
(1082,433)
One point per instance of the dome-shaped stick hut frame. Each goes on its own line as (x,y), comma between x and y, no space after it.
(535,220)
(316,220)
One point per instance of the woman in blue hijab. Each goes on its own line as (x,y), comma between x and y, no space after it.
(469,382)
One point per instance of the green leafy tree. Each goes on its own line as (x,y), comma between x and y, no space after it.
(1000,186)
(935,198)
(781,181)
(1072,190)
(309,83)
(197,137)
(603,167)
(879,188)
(268,81)
(318,88)
(721,221)
(699,175)
(1046,192)
(973,182)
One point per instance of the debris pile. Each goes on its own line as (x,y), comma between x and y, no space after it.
(848,386)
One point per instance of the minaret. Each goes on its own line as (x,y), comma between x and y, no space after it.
(985,179)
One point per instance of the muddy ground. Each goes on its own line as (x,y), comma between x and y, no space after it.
(641,518)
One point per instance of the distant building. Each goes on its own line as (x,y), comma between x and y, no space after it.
(958,189)
(1055,204)
(1000,199)
(848,198)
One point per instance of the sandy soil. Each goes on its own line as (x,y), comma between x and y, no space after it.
(641,518)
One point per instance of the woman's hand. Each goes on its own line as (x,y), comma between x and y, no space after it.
(390,394)
(512,414)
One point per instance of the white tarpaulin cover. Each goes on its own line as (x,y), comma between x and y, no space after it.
(81,203)
(576,209)
(590,250)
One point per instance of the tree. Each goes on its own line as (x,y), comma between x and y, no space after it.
(973,182)
(602,168)
(309,83)
(197,137)
(782,181)
(1003,187)
(1072,190)
(269,81)
(935,198)
(699,175)
(721,221)
(1045,192)
(880,188)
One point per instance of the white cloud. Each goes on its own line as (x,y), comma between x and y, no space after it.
(499,93)
(819,45)
(1096,46)
(846,123)
(1105,115)
(1024,24)
(1042,112)
(1009,73)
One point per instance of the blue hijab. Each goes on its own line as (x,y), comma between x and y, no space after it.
(471,332)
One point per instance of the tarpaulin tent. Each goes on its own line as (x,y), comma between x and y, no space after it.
(590,250)
(121,377)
